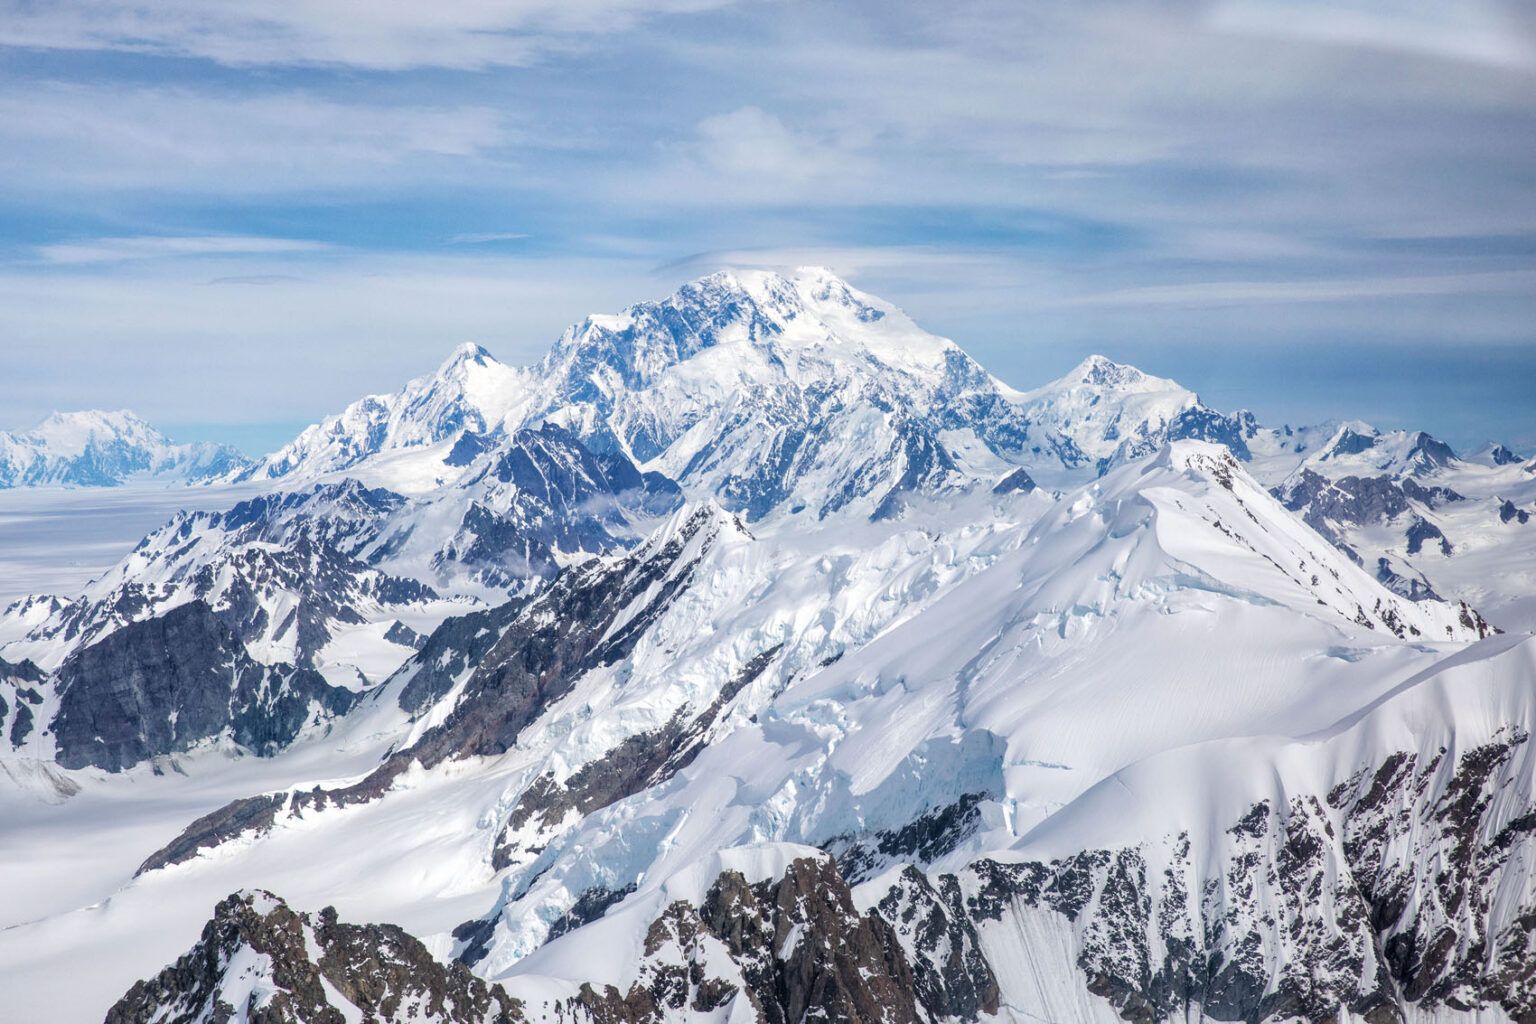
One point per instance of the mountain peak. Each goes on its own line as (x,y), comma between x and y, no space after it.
(103,448)
(1101,371)
(470,353)
(83,423)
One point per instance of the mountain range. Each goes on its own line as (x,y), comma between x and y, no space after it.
(757,655)
(106,449)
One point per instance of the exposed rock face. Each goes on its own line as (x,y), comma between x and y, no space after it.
(164,685)
(1414,588)
(1397,891)
(213,828)
(921,841)
(1502,456)
(1018,481)
(21,686)
(1395,895)
(793,949)
(1330,505)
(952,977)
(260,961)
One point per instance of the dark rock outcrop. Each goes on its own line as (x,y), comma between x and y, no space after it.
(1502,456)
(799,947)
(165,685)
(921,841)
(1017,482)
(20,686)
(260,960)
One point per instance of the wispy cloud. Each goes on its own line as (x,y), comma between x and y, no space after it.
(147,247)
(1044,177)
(445,33)
(101,136)
(482,237)
(1249,293)
(1477,31)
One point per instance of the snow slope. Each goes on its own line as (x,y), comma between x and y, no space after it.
(1174,598)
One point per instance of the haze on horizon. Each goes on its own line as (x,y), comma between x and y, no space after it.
(236,220)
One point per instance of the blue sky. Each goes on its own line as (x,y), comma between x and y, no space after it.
(235,218)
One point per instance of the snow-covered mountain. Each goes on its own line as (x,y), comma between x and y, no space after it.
(105,449)
(1428,523)
(345,577)
(757,656)
(769,393)
(470,392)
(631,784)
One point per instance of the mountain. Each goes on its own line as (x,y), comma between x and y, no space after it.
(167,684)
(106,449)
(1109,413)
(1428,523)
(758,656)
(937,792)
(768,393)
(309,970)
(471,392)
(1359,449)
(340,576)
(1495,454)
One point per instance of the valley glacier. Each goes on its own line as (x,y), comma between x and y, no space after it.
(759,656)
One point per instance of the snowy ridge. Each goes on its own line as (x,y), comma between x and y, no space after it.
(770,393)
(319,576)
(471,391)
(105,449)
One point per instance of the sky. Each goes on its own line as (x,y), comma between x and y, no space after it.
(235,218)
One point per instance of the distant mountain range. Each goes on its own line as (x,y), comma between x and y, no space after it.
(106,449)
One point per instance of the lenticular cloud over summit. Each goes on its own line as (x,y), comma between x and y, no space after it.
(756,654)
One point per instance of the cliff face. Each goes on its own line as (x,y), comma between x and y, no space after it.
(163,685)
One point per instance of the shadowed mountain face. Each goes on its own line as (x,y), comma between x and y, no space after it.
(166,684)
